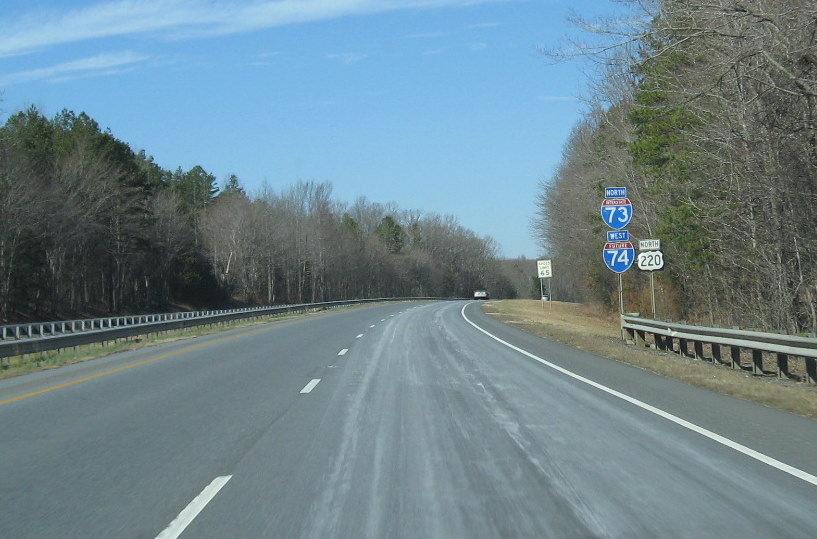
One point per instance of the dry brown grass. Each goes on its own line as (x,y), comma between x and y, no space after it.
(589,329)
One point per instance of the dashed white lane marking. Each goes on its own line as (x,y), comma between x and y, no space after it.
(311,385)
(195,507)
(359,336)
(371,326)
(343,352)
(749,452)
(383,320)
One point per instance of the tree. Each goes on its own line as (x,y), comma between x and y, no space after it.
(722,154)
(232,186)
(391,233)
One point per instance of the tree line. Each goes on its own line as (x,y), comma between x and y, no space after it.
(707,112)
(88,226)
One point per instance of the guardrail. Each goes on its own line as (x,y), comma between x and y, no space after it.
(761,353)
(23,339)
(32,330)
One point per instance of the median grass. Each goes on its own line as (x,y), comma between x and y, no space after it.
(588,328)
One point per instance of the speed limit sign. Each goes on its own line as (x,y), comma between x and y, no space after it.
(650,260)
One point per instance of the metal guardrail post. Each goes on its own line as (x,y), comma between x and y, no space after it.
(757,361)
(782,366)
(811,370)
(735,353)
(758,344)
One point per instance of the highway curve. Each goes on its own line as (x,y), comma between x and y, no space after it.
(397,420)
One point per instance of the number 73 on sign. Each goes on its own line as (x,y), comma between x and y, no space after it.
(617,212)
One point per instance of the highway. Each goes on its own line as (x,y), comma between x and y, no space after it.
(416,420)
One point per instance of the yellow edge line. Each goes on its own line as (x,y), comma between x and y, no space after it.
(139,364)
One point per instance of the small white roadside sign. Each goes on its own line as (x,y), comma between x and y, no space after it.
(650,260)
(649,245)
(544,268)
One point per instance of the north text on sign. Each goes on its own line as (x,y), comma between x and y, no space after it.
(615,192)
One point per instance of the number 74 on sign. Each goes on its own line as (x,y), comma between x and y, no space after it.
(619,256)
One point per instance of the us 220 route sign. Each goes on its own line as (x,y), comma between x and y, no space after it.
(619,256)
(617,212)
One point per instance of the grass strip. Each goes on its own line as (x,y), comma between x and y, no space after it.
(589,329)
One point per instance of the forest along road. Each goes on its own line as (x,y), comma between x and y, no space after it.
(396,420)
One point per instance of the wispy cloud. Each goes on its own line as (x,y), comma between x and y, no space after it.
(347,57)
(433,52)
(102,64)
(181,19)
(476,46)
(263,59)
(91,74)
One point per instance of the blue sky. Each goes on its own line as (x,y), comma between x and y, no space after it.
(442,106)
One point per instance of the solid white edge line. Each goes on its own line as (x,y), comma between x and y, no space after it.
(765,459)
(311,385)
(343,352)
(181,522)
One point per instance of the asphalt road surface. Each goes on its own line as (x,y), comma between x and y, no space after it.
(420,420)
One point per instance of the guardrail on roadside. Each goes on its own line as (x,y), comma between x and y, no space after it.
(761,353)
(31,330)
(22,339)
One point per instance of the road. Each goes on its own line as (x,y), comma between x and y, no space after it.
(395,420)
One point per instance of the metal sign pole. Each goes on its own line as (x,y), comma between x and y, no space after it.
(542,292)
(652,293)
(621,304)
(550,296)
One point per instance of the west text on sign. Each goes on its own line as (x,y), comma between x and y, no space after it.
(618,235)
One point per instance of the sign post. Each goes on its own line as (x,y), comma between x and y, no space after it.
(650,258)
(618,252)
(544,268)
